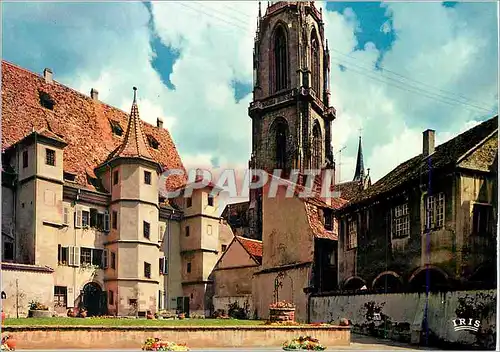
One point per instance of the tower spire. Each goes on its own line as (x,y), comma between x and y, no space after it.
(134,144)
(360,168)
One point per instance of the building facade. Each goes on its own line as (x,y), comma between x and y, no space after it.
(80,198)
(429,223)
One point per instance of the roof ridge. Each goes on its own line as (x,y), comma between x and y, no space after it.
(249,239)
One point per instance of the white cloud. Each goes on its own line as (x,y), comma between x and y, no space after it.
(453,49)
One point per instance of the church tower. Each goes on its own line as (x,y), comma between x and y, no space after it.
(291,113)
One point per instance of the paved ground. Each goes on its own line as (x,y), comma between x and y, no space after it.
(358,342)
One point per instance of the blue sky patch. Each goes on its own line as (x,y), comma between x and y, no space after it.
(375,25)
(241,89)
(165,57)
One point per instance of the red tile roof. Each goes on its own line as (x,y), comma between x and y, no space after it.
(316,224)
(84,123)
(253,247)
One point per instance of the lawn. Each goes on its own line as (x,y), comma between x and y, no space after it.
(128,322)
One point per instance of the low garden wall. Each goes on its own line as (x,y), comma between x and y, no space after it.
(399,316)
(105,337)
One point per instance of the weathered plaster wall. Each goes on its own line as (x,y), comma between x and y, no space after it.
(243,301)
(31,286)
(408,311)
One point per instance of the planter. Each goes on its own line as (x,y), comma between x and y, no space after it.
(281,314)
(39,314)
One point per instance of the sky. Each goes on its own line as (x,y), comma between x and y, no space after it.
(397,69)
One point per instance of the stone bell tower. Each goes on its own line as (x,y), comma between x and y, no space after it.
(291,113)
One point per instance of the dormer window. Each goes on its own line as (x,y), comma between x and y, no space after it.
(153,143)
(46,101)
(328,219)
(68,176)
(116,128)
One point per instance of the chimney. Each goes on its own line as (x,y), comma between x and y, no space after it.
(94,94)
(428,142)
(159,122)
(47,74)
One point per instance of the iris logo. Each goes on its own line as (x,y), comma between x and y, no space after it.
(460,324)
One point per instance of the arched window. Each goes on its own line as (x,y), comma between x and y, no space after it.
(315,65)
(280,60)
(281,142)
(316,147)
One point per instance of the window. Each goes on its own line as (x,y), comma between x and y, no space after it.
(224,248)
(147,270)
(106,222)
(86,256)
(188,268)
(482,219)
(66,216)
(69,176)
(46,101)
(85,218)
(189,202)
(210,201)
(132,302)
(153,143)
(161,232)
(316,144)
(73,256)
(60,296)
(116,128)
(315,65)
(97,257)
(280,60)
(434,211)
(115,220)
(281,143)
(187,231)
(146,227)
(111,298)
(25,159)
(113,260)
(352,234)
(400,221)
(328,219)
(147,177)
(62,255)
(115,177)
(8,250)
(209,230)
(163,266)
(50,157)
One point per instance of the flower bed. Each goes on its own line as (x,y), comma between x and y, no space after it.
(303,343)
(155,344)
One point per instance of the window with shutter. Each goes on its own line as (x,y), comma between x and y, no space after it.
(160,235)
(113,260)
(77,256)
(78,218)
(162,265)
(66,216)
(93,217)
(71,256)
(106,222)
(105,256)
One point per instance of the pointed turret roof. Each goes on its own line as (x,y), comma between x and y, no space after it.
(360,168)
(134,144)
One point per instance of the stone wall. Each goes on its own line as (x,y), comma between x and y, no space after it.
(243,301)
(399,316)
(98,337)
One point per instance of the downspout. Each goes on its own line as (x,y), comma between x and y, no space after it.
(34,205)
(167,295)
(75,292)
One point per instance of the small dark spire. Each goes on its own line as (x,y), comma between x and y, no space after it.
(135,93)
(360,168)
(260,12)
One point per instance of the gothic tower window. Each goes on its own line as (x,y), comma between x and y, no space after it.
(316,147)
(315,65)
(280,60)
(281,130)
